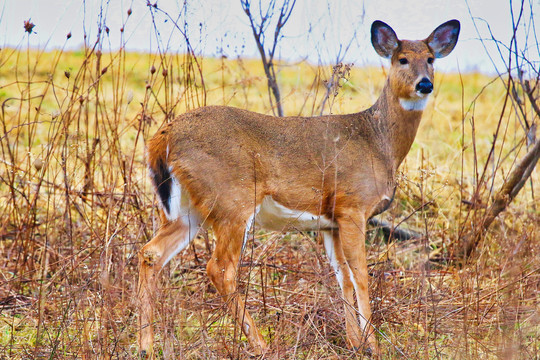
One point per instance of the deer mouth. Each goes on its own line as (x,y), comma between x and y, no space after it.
(418,95)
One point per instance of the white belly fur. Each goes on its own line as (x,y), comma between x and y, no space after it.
(276,217)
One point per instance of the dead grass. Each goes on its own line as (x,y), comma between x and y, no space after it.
(76,206)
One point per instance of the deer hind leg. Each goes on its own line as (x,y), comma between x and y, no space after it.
(334,251)
(222,271)
(170,239)
(352,237)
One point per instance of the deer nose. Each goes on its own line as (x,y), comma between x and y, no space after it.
(424,86)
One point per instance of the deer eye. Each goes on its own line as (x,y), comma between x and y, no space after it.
(403,61)
(430,60)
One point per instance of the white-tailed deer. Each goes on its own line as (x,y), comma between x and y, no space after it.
(231,169)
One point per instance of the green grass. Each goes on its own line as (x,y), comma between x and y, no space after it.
(70,230)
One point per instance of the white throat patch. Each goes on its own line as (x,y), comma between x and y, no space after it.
(417,104)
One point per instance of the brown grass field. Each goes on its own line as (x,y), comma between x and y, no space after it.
(76,206)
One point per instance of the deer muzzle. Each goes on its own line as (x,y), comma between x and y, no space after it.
(424,86)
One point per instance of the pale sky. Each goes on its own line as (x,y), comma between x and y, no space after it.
(318,29)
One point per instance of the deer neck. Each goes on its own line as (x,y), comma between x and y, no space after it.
(401,119)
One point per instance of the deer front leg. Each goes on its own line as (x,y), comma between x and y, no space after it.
(171,238)
(222,271)
(352,227)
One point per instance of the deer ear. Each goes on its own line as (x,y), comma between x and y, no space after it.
(384,39)
(444,38)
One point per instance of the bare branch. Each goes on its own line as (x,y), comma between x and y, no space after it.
(508,191)
(267,57)
(516,98)
(393,233)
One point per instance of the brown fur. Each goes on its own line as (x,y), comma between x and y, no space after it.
(340,166)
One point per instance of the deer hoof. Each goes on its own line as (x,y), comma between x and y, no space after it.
(365,350)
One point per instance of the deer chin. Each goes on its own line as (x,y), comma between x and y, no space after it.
(417,103)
